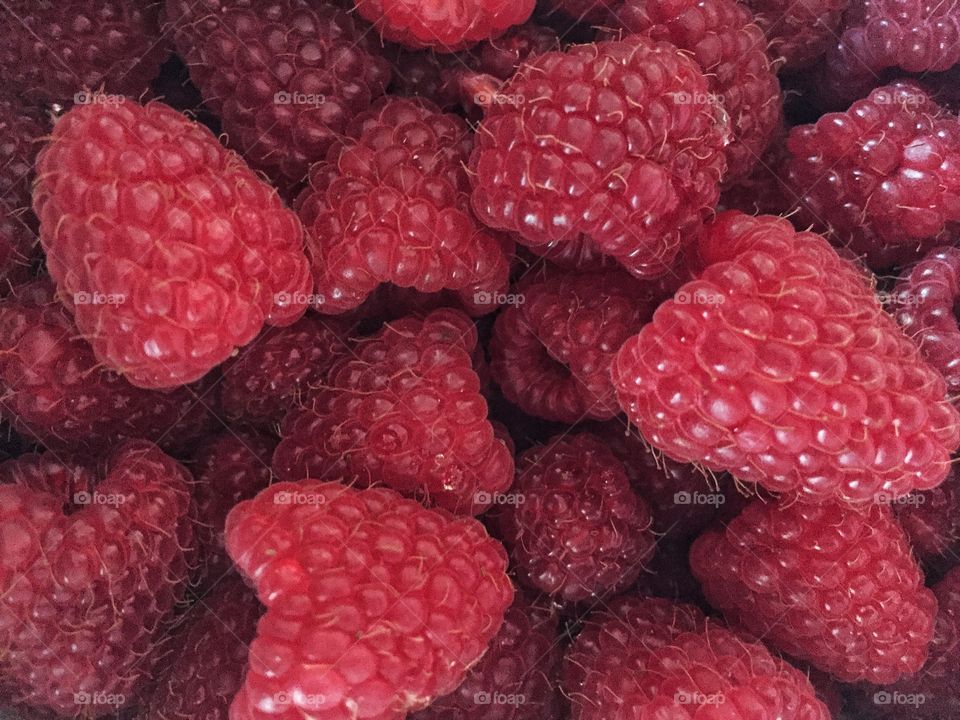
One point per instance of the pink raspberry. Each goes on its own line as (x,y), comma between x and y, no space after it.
(799,33)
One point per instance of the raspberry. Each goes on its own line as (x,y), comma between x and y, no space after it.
(391,205)
(647,657)
(404,409)
(521,664)
(551,353)
(585,11)
(799,33)
(445,25)
(18,240)
(591,142)
(830,585)
(881,177)
(169,251)
(286,77)
(91,568)
(375,605)
(55,392)
(780,366)
(207,657)
(282,368)
(56,52)
(731,50)
(577,529)
(931,519)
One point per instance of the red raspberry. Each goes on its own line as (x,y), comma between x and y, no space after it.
(780,366)
(591,141)
(56,52)
(931,519)
(207,656)
(92,565)
(585,11)
(170,251)
(881,177)
(923,301)
(827,584)
(501,57)
(516,678)
(286,77)
(550,351)
(446,25)
(576,529)
(731,50)
(799,33)
(22,133)
(392,205)
(280,369)
(56,393)
(404,409)
(651,658)
(375,605)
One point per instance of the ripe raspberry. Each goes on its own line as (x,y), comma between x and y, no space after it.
(881,177)
(56,52)
(551,353)
(731,50)
(447,25)
(192,252)
(90,570)
(834,586)
(647,657)
(207,656)
(501,57)
(799,33)
(280,369)
(521,664)
(780,366)
(375,605)
(392,205)
(931,519)
(286,77)
(22,133)
(585,11)
(577,530)
(592,142)
(56,393)
(403,409)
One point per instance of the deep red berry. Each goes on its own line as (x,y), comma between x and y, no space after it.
(593,141)
(167,248)
(392,205)
(444,25)
(551,348)
(574,526)
(517,677)
(54,391)
(647,657)
(881,178)
(931,518)
(834,586)
(22,135)
(286,77)
(375,605)
(58,52)
(91,568)
(731,50)
(585,11)
(780,366)
(283,367)
(403,408)
(799,33)
(206,657)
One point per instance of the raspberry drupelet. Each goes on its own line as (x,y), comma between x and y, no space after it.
(799,33)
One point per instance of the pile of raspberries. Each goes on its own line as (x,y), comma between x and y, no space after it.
(479,359)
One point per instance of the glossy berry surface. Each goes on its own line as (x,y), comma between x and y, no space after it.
(779,365)
(404,409)
(375,605)
(931,519)
(22,133)
(833,586)
(799,33)
(596,141)
(575,528)
(391,205)
(550,351)
(168,250)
